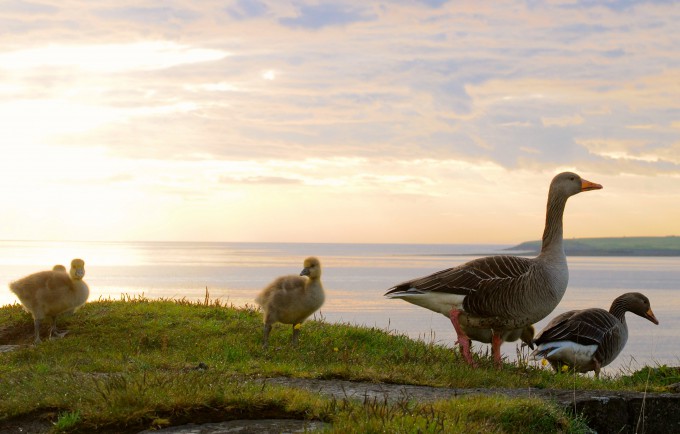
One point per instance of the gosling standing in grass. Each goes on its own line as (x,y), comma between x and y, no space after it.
(292,299)
(48,294)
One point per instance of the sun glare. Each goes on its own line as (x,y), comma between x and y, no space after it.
(269,74)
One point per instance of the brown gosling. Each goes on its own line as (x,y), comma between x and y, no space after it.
(292,299)
(48,294)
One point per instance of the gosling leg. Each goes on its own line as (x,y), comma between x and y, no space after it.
(54,330)
(267,330)
(36,325)
(296,333)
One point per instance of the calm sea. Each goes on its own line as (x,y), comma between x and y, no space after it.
(355,277)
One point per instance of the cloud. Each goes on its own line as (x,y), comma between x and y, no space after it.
(562,121)
(108,58)
(514,86)
(149,15)
(273,180)
(248,9)
(317,16)
(26,7)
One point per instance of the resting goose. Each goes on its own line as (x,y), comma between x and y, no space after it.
(590,339)
(502,293)
(292,299)
(48,294)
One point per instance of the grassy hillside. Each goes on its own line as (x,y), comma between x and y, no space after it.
(137,364)
(619,246)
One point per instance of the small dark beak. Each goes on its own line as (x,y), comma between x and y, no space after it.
(528,344)
(587,185)
(304,272)
(650,316)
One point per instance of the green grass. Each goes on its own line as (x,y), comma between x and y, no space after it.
(132,365)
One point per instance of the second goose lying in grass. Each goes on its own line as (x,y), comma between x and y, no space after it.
(590,339)
(502,293)
(292,299)
(48,294)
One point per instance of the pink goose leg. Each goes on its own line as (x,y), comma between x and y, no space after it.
(463,339)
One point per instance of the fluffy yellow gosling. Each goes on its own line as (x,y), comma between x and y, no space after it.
(292,299)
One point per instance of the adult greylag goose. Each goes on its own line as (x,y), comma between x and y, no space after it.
(502,293)
(292,299)
(48,294)
(589,339)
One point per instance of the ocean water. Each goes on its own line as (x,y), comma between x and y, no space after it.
(355,277)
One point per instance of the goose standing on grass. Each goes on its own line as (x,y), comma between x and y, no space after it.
(292,299)
(502,293)
(590,339)
(48,294)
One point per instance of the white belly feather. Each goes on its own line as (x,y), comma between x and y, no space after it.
(567,352)
(439,302)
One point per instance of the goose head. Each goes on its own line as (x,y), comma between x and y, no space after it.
(638,304)
(567,184)
(77,269)
(312,268)
(527,336)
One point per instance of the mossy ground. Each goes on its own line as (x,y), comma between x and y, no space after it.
(135,364)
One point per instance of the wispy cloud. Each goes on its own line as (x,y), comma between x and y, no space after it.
(317,16)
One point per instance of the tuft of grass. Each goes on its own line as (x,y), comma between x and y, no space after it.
(136,364)
(67,421)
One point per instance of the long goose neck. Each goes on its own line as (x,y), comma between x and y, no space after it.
(552,234)
(618,309)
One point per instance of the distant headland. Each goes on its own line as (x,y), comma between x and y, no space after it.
(616,246)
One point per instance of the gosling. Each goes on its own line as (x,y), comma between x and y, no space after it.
(526,335)
(292,299)
(48,294)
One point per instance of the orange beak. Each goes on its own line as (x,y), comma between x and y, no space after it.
(650,316)
(587,185)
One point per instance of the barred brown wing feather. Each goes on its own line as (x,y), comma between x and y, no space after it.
(586,327)
(471,277)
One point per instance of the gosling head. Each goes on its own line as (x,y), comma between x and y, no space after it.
(77,268)
(568,184)
(59,267)
(312,268)
(527,336)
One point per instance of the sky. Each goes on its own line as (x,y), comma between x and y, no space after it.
(405,121)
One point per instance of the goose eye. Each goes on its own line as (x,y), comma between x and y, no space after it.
(572,178)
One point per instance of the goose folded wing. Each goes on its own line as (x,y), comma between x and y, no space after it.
(470,277)
(587,327)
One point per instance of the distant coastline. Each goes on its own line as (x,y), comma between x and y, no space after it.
(615,246)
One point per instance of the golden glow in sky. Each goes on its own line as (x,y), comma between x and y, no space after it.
(338,121)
